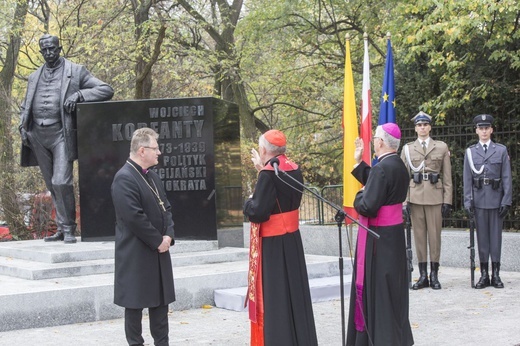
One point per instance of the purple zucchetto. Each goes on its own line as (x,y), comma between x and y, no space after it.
(392,129)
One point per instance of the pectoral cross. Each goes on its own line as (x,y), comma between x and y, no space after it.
(161,203)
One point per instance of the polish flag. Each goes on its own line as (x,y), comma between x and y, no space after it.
(366,108)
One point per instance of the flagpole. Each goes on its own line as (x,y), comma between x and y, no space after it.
(350,185)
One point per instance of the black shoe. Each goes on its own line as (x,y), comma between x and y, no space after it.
(421,283)
(58,236)
(497,282)
(423,279)
(434,276)
(69,239)
(495,277)
(483,282)
(68,234)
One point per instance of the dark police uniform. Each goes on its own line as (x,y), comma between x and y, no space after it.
(488,197)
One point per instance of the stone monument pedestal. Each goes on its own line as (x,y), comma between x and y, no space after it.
(199,139)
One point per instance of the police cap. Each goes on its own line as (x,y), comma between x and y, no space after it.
(422,118)
(483,120)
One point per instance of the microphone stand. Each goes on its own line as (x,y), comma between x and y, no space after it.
(339,218)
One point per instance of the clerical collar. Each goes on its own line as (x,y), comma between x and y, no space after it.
(154,189)
(385,155)
(139,168)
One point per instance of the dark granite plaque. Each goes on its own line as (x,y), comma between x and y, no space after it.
(199,139)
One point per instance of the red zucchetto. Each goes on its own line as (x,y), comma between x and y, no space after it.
(275,137)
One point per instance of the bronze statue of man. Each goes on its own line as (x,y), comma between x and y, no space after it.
(48,127)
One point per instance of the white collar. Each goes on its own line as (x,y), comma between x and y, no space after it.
(427,140)
(487,143)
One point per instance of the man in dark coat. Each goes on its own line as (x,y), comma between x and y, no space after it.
(280,306)
(379,300)
(488,194)
(48,127)
(144,234)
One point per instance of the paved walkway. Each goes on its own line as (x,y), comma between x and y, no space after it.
(456,315)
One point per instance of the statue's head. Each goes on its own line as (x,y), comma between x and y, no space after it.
(50,48)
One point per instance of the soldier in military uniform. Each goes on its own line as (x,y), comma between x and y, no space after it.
(487,197)
(429,198)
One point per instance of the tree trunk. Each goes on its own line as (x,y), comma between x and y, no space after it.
(10,206)
(146,58)
(227,78)
(143,82)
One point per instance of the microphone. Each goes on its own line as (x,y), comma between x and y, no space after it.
(275,162)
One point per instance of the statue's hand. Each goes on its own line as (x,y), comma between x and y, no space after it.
(23,134)
(70,102)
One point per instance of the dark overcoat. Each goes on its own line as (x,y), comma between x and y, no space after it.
(288,315)
(143,276)
(385,296)
(75,78)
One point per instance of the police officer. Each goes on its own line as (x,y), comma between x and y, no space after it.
(487,196)
(429,198)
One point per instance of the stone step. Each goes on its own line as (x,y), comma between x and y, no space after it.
(32,270)
(322,289)
(87,298)
(102,262)
(58,252)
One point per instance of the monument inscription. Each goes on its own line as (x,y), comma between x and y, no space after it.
(187,130)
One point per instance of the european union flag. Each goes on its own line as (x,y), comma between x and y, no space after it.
(387,109)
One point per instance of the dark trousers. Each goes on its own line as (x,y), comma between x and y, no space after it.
(489,234)
(48,145)
(158,325)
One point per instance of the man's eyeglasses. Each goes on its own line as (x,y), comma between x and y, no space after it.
(153,148)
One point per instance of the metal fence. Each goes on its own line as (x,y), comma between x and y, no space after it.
(458,138)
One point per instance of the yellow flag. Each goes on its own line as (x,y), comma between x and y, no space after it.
(350,132)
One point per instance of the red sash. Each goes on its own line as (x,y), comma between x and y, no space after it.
(388,215)
(278,224)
